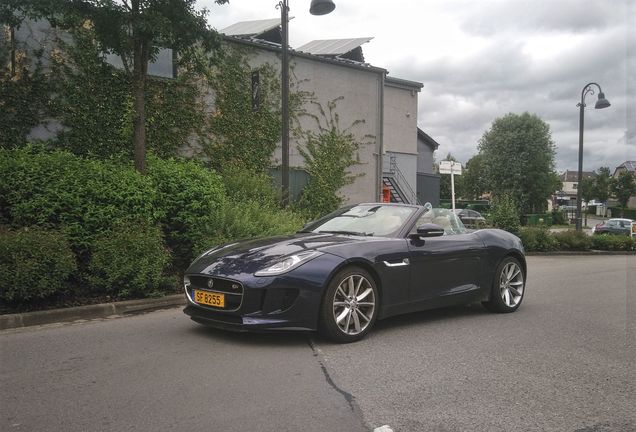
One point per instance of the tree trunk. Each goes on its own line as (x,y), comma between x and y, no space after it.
(141,57)
(140,65)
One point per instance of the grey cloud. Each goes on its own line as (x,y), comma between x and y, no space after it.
(490,17)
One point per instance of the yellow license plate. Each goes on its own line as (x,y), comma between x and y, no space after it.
(209,298)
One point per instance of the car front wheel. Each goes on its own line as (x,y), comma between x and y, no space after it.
(350,306)
(508,287)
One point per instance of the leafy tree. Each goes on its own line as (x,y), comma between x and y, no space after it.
(135,30)
(623,187)
(473,178)
(518,159)
(587,188)
(602,183)
(587,191)
(505,213)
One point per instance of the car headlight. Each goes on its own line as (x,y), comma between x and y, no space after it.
(288,263)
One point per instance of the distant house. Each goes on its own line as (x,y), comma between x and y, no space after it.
(567,195)
(629,166)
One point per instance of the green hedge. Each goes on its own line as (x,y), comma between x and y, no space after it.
(536,239)
(128,261)
(573,240)
(35,263)
(189,198)
(118,222)
(627,213)
(613,242)
(84,197)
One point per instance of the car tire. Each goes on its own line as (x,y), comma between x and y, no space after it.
(508,287)
(350,306)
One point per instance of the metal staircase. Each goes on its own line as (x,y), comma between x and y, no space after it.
(399,188)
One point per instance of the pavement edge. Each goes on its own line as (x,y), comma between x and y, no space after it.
(103,310)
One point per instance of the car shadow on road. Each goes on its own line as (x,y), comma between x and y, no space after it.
(257,339)
(431,316)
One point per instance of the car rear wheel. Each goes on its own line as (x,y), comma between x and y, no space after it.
(508,287)
(350,306)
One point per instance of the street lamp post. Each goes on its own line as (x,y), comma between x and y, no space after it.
(317,7)
(600,103)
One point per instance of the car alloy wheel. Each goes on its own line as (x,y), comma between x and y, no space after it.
(353,304)
(511,284)
(508,287)
(350,306)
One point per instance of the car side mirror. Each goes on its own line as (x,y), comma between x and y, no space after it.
(429,230)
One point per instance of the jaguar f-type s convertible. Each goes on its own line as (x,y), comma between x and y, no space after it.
(341,273)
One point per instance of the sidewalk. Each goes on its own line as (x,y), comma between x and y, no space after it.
(88,312)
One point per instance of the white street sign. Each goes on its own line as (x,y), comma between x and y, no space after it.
(445,167)
(452,168)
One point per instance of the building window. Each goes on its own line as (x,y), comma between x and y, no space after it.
(163,66)
(575,185)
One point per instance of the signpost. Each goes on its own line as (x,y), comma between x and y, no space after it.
(452,168)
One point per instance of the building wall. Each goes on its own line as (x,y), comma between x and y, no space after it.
(400,119)
(425,158)
(360,93)
(428,188)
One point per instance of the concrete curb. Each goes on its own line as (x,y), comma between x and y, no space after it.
(128,307)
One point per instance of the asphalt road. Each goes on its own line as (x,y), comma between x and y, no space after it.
(563,362)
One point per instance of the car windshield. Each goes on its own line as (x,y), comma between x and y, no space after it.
(364,219)
(444,218)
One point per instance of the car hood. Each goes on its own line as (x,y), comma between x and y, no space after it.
(253,255)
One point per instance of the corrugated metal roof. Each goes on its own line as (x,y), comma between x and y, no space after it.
(333,47)
(248,28)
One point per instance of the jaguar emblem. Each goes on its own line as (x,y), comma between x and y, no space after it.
(210,283)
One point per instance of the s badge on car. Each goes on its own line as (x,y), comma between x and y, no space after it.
(210,283)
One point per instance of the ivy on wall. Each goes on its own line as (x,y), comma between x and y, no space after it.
(94,101)
(23,93)
(242,137)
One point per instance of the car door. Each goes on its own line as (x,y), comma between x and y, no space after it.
(612,227)
(446,265)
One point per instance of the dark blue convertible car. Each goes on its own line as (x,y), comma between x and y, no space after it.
(361,263)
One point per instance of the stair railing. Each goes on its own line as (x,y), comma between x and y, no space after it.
(411,196)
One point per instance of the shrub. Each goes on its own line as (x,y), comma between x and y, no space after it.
(537,240)
(242,185)
(504,214)
(128,261)
(34,264)
(58,189)
(189,196)
(559,217)
(613,242)
(236,221)
(573,240)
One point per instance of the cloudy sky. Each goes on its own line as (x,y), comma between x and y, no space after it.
(481,59)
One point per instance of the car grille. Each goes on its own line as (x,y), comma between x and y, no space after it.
(233,290)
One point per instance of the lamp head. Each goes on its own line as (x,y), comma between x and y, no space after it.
(601,102)
(321,7)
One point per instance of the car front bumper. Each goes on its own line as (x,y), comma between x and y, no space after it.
(290,301)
